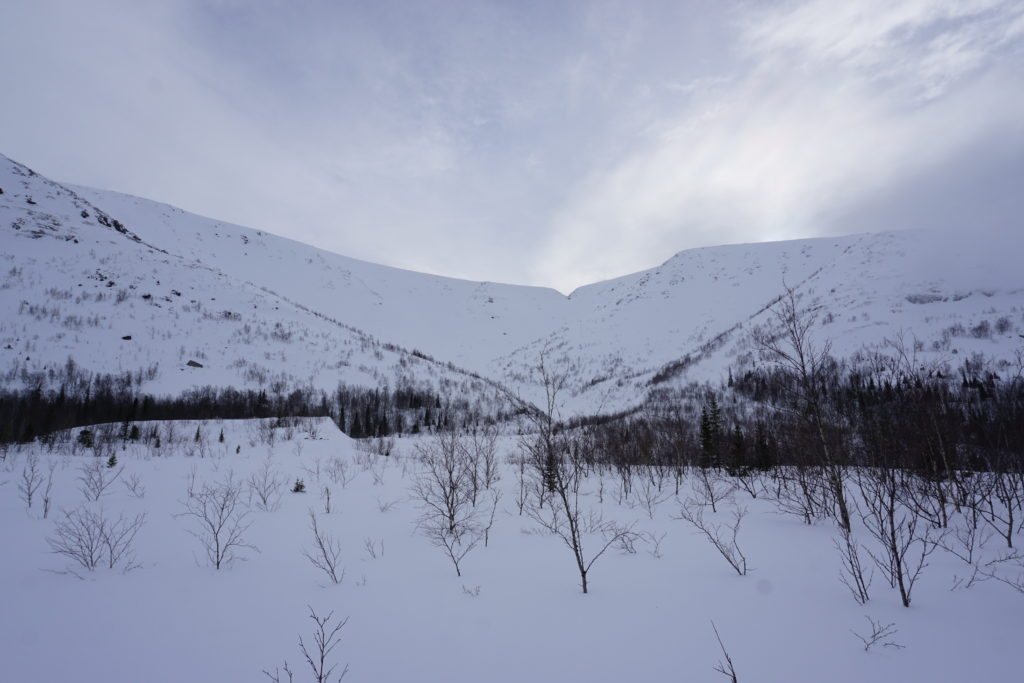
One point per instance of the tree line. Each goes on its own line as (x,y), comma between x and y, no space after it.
(80,398)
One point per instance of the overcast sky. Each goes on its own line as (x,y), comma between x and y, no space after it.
(534,142)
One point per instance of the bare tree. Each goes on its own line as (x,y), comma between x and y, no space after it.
(565,517)
(444,485)
(558,467)
(725,542)
(793,349)
(449,517)
(95,478)
(326,552)
(31,479)
(221,521)
(326,638)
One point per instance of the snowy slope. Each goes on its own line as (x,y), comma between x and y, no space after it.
(468,323)
(864,290)
(255,304)
(77,286)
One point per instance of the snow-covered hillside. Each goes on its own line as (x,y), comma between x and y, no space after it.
(254,308)
(78,284)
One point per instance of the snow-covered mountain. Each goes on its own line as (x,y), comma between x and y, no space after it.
(78,284)
(87,268)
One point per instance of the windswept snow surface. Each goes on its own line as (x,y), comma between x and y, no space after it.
(516,614)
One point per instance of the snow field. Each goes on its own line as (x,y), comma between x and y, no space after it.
(516,614)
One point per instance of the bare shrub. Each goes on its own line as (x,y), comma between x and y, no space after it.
(481,459)
(522,484)
(1006,568)
(878,634)
(455,544)
(91,539)
(79,537)
(852,573)
(340,472)
(722,536)
(374,549)
(897,529)
(134,485)
(725,665)
(798,490)
(383,446)
(326,638)
(313,469)
(48,491)
(95,478)
(1002,504)
(326,552)
(221,521)
(31,479)
(267,485)
(655,542)
(377,472)
(966,541)
(650,491)
(495,498)
(119,539)
(711,488)
(192,483)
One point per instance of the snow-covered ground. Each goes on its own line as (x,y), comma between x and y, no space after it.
(516,614)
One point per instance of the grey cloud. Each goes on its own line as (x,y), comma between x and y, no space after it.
(536,142)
